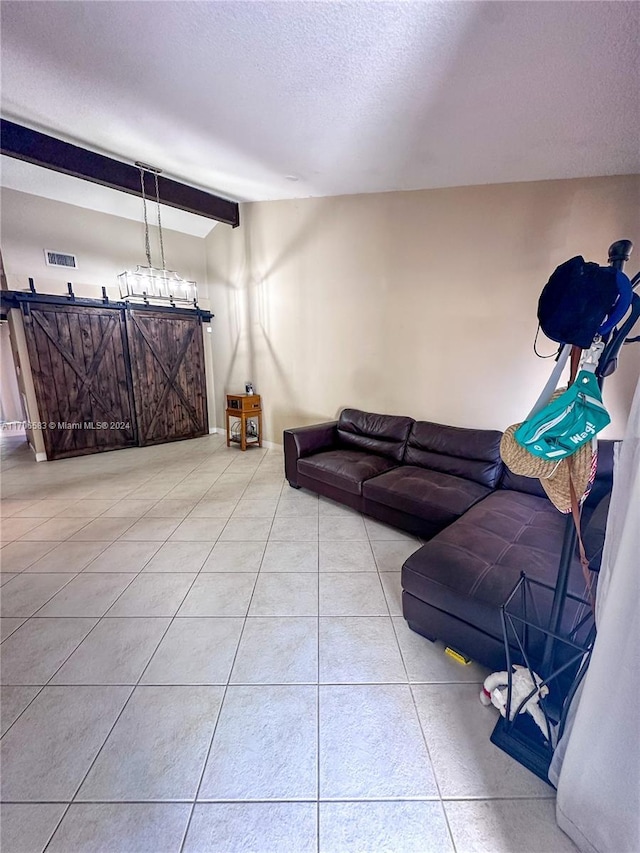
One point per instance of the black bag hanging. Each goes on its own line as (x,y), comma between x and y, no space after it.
(581,300)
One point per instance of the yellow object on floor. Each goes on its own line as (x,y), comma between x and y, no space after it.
(457,656)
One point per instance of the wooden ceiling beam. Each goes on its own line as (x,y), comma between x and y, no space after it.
(29,145)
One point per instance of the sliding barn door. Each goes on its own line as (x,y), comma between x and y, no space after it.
(167,366)
(81,376)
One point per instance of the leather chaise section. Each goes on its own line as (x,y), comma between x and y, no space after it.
(470,568)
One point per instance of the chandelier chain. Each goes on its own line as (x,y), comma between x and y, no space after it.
(155,174)
(150,282)
(147,245)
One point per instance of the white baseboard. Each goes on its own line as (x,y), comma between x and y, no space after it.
(213,430)
(41,457)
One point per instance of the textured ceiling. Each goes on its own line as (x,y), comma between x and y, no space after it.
(262,100)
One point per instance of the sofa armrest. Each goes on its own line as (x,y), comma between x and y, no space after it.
(303,441)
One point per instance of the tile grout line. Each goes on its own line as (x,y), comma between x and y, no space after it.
(54,545)
(125,496)
(73,501)
(48,553)
(112,542)
(224,693)
(68,805)
(44,604)
(433,768)
(318,698)
(56,827)
(119,538)
(258,683)
(40,524)
(424,737)
(148,513)
(213,574)
(354,799)
(88,495)
(317,685)
(119,715)
(415,708)
(99,619)
(70,539)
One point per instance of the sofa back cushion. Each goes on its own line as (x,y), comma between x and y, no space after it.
(518,483)
(384,435)
(473,454)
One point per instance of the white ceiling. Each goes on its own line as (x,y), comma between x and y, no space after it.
(271,100)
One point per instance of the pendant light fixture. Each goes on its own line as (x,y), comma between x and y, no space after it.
(146,284)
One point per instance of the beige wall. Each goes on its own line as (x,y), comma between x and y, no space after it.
(24,378)
(419,303)
(10,402)
(105,245)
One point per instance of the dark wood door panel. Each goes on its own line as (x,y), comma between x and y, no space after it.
(167,365)
(81,376)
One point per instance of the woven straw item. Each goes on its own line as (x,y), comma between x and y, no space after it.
(519,460)
(554,476)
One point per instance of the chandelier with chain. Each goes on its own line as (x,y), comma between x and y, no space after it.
(154,284)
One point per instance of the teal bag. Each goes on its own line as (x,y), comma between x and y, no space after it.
(567,422)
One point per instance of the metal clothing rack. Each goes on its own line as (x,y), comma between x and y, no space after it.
(520,737)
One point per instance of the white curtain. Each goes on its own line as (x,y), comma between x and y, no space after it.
(596,768)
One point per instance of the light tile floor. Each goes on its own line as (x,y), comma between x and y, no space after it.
(197,658)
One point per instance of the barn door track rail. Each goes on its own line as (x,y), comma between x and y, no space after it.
(16,298)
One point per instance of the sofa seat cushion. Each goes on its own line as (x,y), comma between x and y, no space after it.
(469,569)
(344,469)
(437,497)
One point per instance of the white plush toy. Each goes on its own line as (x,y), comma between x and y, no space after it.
(494,692)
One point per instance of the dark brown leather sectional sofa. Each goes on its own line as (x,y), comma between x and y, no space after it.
(482,524)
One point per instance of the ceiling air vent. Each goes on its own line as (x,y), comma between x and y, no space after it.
(60,259)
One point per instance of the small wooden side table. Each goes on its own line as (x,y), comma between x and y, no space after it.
(245,407)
